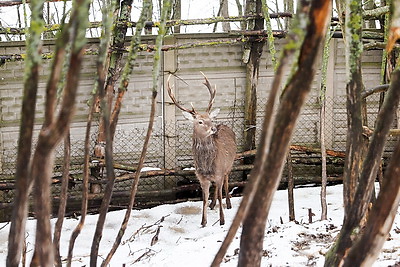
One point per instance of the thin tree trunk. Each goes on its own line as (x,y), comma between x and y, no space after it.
(177,15)
(354,141)
(104,88)
(252,72)
(255,175)
(251,243)
(148,17)
(324,176)
(109,172)
(114,69)
(85,182)
(63,200)
(127,71)
(226,27)
(288,7)
(107,13)
(22,175)
(290,178)
(366,250)
(53,131)
(240,12)
(370,168)
(322,98)
(271,39)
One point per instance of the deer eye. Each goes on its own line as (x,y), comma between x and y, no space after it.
(200,122)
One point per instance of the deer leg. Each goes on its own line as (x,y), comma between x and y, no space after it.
(214,201)
(205,188)
(227,196)
(218,191)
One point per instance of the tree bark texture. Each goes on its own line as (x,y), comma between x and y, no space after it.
(51,135)
(252,237)
(290,180)
(105,93)
(252,72)
(262,153)
(85,183)
(354,87)
(101,63)
(127,70)
(369,171)
(322,100)
(366,250)
(224,12)
(114,71)
(23,178)
(63,200)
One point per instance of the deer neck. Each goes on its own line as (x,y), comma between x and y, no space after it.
(204,153)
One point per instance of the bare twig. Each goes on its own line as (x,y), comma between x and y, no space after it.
(154,240)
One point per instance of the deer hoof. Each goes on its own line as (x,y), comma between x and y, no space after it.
(212,205)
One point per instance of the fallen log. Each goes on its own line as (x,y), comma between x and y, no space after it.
(306,149)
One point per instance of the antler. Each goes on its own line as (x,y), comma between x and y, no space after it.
(171,95)
(211,91)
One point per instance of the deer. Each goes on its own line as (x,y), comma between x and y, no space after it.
(214,151)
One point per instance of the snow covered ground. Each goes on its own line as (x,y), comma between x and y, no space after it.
(183,242)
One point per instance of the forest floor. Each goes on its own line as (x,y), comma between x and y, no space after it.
(179,240)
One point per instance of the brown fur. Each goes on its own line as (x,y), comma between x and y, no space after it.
(214,150)
(213,159)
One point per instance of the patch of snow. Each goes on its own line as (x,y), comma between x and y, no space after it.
(147,169)
(183,242)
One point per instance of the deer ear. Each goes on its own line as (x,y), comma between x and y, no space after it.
(187,115)
(214,113)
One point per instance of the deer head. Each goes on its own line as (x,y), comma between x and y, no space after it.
(203,125)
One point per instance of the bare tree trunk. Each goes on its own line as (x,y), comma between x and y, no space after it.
(288,7)
(240,12)
(127,71)
(262,152)
(322,98)
(340,8)
(63,200)
(271,39)
(54,129)
(324,176)
(105,87)
(290,178)
(177,15)
(114,70)
(109,169)
(366,250)
(22,175)
(251,243)
(252,72)
(354,141)
(148,17)
(370,168)
(85,182)
(107,14)
(226,27)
